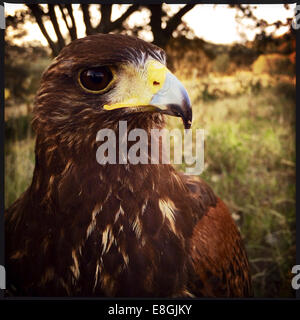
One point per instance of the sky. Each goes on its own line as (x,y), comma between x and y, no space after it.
(213,23)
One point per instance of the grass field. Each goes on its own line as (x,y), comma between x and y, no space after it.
(249,123)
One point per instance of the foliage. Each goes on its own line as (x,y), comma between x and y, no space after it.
(273,63)
(222,63)
(22,71)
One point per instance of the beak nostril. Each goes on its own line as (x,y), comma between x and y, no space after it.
(156,83)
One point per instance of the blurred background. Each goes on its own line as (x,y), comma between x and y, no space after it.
(238,65)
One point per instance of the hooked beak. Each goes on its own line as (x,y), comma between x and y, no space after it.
(173,99)
(162,92)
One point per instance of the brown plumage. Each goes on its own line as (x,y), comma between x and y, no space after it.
(85,229)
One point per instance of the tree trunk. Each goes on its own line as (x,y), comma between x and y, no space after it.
(162,36)
(159,38)
(105,21)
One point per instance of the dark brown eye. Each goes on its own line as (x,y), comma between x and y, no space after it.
(96,79)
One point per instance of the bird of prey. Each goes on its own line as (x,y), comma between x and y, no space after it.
(116,230)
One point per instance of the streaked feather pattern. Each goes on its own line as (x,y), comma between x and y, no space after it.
(84,229)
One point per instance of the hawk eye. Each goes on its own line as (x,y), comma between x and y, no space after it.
(95,80)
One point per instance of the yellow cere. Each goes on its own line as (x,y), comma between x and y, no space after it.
(156,75)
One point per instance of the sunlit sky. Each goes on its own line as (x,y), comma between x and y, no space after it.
(214,23)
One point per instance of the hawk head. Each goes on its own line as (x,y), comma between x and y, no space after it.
(101,79)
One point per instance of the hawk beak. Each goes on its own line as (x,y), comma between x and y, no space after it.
(172,99)
(163,93)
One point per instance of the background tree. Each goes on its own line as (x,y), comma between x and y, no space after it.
(20,80)
(265,40)
(159,16)
(161,22)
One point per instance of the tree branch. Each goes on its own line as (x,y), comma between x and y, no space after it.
(61,7)
(117,24)
(53,18)
(175,20)
(72,28)
(87,19)
(38,13)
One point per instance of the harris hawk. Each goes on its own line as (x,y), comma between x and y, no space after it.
(123,230)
